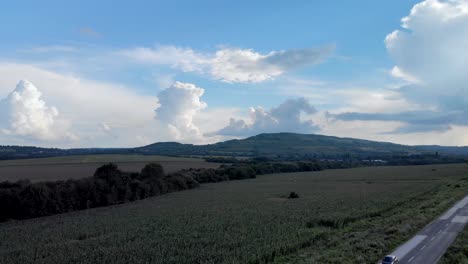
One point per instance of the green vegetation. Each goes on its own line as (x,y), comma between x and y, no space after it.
(371,235)
(341,216)
(108,186)
(287,145)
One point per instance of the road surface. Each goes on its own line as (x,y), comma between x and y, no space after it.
(428,246)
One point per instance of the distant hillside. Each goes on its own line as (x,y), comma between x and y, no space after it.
(276,145)
(287,145)
(458,151)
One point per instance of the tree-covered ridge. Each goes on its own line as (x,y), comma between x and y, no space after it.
(274,146)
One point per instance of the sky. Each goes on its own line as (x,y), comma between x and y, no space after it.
(130,73)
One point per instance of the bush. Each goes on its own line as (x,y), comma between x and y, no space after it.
(293,195)
(237,172)
(152,171)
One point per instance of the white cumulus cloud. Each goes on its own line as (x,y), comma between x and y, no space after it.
(430,54)
(284,118)
(83,106)
(430,51)
(25,113)
(178,106)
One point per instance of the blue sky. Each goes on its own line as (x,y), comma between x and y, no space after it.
(205,71)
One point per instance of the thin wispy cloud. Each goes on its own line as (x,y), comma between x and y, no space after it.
(50,49)
(90,32)
(231,65)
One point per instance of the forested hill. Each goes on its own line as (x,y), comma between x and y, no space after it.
(290,145)
(275,145)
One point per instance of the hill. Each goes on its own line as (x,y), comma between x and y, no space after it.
(273,145)
(287,145)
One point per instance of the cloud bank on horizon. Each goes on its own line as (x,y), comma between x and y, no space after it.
(284,118)
(48,97)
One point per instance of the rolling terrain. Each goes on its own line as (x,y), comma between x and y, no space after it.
(275,145)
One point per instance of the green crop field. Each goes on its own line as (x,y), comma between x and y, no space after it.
(341,216)
(79,166)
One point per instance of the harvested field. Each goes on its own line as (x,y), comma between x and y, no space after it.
(75,167)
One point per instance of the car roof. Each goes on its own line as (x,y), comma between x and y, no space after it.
(390,256)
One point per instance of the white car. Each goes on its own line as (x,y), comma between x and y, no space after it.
(389,259)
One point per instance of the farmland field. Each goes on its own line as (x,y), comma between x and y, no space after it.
(74,167)
(341,216)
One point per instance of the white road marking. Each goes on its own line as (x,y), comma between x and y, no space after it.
(404,249)
(460,219)
(452,210)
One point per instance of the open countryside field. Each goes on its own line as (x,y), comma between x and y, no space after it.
(341,216)
(79,166)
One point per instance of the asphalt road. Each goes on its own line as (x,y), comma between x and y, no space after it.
(428,246)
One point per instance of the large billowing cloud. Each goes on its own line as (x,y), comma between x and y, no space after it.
(25,113)
(232,65)
(178,106)
(102,114)
(431,50)
(431,55)
(284,118)
(83,106)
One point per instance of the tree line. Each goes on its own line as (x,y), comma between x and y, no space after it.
(109,185)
